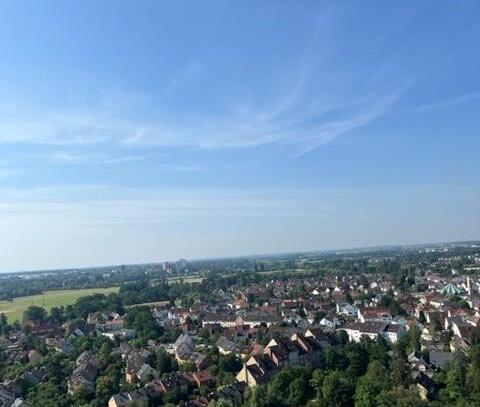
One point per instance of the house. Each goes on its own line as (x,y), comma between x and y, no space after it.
(43,328)
(372,330)
(347,310)
(393,332)
(321,337)
(225,346)
(426,387)
(310,349)
(417,362)
(224,320)
(146,373)
(374,314)
(112,332)
(282,352)
(59,344)
(184,341)
(161,387)
(200,378)
(6,398)
(438,358)
(253,319)
(232,393)
(257,370)
(358,330)
(125,399)
(331,323)
(135,361)
(184,349)
(83,377)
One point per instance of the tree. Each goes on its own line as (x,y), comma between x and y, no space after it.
(48,394)
(357,355)
(317,382)
(342,337)
(473,374)
(297,392)
(164,362)
(414,335)
(229,363)
(105,350)
(400,368)
(4,326)
(108,383)
(35,313)
(335,359)
(258,397)
(336,389)
(142,321)
(455,379)
(289,387)
(399,397)
(57,314)
(371,384)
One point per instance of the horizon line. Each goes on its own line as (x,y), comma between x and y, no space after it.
(256,255)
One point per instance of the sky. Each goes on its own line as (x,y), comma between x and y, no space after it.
(145,131)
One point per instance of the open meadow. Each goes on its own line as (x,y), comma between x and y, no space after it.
(14,309)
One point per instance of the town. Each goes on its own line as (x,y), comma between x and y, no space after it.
(377,327)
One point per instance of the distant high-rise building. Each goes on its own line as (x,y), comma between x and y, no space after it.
(167,267)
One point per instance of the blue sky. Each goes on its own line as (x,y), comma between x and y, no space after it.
(144,131)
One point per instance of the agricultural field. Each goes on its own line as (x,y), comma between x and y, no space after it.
(14,309)
(186,279)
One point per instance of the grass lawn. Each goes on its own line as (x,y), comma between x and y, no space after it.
(14,309)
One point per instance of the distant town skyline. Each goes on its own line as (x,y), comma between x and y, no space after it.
(132,133)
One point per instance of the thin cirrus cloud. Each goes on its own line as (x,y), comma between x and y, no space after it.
(295,116)
(446,103)
(67,158)
(73,158)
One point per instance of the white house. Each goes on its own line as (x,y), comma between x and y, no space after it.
(348,310)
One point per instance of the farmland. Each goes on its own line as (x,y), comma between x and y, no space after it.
(186,279)
(14,309)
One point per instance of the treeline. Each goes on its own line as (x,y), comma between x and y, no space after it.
(14,286)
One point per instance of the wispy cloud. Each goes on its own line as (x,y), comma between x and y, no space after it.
(67,158)
(445,103)
(74,158)
(307,113)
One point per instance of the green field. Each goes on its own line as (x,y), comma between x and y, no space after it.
(185,279)
(14,309)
